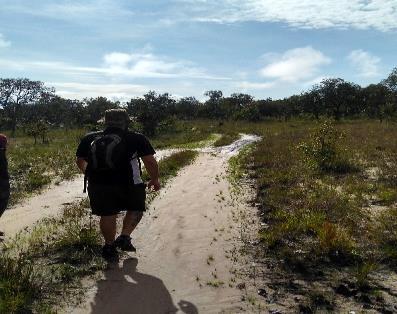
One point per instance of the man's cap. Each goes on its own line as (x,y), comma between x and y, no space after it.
(117,118)
(3,141)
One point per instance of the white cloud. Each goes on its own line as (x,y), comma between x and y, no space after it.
(341,14)
(255,85)
(3,42)
(121,65)
(120,92)
(360,14)
(149,65)
(365,63)
(315,81)
(69,9)
(295,65)
(152,66)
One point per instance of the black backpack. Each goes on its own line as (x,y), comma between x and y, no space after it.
(107,156)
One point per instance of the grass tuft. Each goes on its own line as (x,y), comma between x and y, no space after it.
(226,139)
(37,268)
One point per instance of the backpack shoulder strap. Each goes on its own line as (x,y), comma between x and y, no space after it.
(109,149)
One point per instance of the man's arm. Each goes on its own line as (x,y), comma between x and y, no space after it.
(81,163)
(152,168)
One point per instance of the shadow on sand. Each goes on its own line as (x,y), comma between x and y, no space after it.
(125,290)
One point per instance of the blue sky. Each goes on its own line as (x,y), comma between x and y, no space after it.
(121,49)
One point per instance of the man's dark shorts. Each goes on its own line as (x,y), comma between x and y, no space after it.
(108,200)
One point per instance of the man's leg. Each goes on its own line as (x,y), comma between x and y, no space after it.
(108,228)
(3,206)
(131,220)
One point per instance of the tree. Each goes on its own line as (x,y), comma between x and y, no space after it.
(375,97)
(187,107)
(36,129)
(239,102)
(391,81)
(213,104)
(391,84)
(339,97)
(96,108)
(15,93)
(151,110)
(312,102)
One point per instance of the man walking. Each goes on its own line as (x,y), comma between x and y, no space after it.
(4,178)
(110,160)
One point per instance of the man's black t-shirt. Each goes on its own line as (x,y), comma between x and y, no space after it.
(137,146)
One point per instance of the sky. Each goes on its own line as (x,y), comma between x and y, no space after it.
(124,48)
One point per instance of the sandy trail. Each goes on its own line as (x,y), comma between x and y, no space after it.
(170,272)
(52,200)
(182,246)
(49,202)
(183,242)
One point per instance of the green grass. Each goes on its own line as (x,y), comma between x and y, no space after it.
(170,165)
(39,268)
(184,134)
(226,139)
(320,213)
(33,166)
(317,218)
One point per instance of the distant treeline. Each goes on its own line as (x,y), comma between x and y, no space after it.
(25,102)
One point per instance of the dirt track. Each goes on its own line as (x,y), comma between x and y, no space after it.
(174,243)
(183,263)
(48,203)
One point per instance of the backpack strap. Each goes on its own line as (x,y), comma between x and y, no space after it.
(116,140)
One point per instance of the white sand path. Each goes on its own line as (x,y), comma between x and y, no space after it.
(53,198)
(48,202)
(182,243)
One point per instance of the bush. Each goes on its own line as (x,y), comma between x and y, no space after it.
(325,152)
(37,129)
(334,240)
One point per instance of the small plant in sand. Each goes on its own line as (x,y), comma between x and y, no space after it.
(324,150)
(362,274)
(215,283)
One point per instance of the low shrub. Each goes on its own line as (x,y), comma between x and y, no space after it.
(325,152)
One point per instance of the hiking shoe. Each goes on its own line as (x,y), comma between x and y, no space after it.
(109,253)
(124,243)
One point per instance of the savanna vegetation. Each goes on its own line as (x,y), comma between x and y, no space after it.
(326,194)
(31,106)
(325,174)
